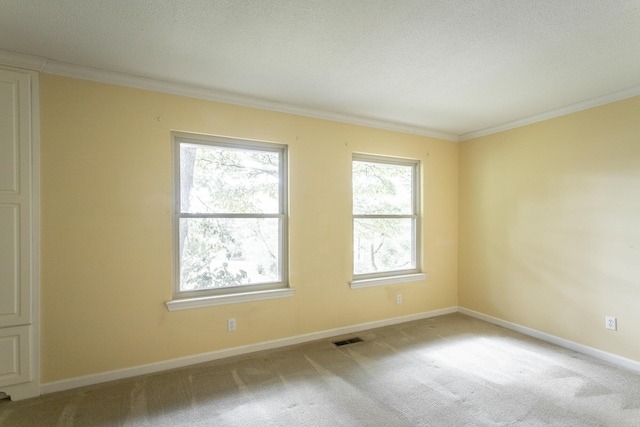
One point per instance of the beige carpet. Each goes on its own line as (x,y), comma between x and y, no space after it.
(447,371)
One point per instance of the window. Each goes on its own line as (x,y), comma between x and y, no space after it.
(230,219)
(386,220)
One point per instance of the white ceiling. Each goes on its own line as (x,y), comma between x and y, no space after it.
(447,66)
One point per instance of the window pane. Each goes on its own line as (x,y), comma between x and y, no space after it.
(222,252)
(217,179)
(382,189)
(383,244)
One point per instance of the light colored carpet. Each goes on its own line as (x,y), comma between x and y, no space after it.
(447,371)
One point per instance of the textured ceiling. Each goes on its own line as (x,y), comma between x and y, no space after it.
(452,66)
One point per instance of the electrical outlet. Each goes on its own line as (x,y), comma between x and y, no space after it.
(399,299)
(231,325)
(611,323)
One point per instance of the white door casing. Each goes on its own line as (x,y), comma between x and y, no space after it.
(19,233)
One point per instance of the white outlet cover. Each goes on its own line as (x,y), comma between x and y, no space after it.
(611,323)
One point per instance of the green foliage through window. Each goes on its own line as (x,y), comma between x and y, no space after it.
(231,215)
(384,216)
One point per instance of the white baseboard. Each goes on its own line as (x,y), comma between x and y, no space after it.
(571,345)
(235,351)
(298,339)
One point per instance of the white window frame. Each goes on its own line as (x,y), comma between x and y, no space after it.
(394,276)
(229,295)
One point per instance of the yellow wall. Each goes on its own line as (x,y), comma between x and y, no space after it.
(550,226)
(106,228)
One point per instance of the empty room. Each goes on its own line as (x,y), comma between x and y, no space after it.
(320,213)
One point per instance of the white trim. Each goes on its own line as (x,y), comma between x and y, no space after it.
(235,351)
(571,345)
(21,60)
(400,275)
(562,111)
(31,62)
(211,300)
(112,77)
(389,280)
(267,345)
(203,298)
(35,231)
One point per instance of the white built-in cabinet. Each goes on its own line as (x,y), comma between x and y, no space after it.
(19,234)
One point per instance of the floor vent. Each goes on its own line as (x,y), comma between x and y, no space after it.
(349,341)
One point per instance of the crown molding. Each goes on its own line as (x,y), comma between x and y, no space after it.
(562,111)
(122,79)
(21,60)
(31,62)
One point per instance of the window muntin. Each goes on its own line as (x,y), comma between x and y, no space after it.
(385,216)
(230,220)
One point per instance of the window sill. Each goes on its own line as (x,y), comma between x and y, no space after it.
(211,300)
(389,280)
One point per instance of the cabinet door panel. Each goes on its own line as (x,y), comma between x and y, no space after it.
(14,355)
(9,264)
(9,133)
